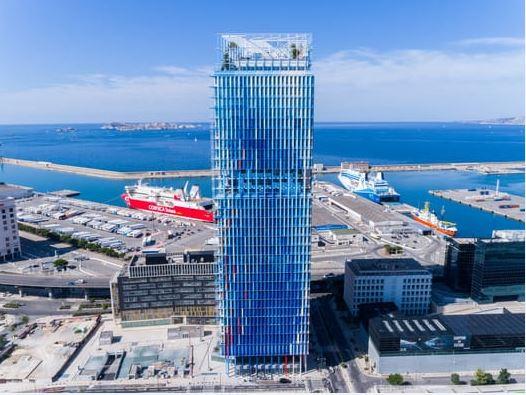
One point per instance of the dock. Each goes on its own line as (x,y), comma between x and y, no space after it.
(65,193)
(481,167)
(492,201)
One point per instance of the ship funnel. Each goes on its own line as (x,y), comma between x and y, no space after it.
(194,192)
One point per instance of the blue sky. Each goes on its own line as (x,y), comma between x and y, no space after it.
(375,60)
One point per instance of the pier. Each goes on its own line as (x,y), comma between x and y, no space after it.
(492,201)
(480,167)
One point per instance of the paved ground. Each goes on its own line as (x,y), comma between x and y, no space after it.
(503,204)
(36,306)
(188,234)
(42,353)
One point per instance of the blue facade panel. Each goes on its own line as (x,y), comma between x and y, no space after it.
(262,155)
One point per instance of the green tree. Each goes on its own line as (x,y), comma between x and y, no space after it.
(455,378)
(25,319)
(60,263)
(294,51)
(504,377)
(395,379)
(482,378)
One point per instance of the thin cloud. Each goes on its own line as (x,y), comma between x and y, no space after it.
(410,85)
(492,41)
(179,96)
(355,85)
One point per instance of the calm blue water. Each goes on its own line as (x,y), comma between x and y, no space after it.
(414,186)
(166,150)
(376,143)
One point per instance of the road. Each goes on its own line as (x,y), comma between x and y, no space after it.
(336,350)
(327,342)
(156,387)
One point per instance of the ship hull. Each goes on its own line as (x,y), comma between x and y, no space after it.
(368,194)
(176,211)
(443,231)
(374,197)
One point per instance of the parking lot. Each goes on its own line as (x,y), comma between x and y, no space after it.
(120,229)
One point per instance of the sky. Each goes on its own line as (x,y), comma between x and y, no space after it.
(69,61)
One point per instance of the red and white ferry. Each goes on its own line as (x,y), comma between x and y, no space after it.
(178,202)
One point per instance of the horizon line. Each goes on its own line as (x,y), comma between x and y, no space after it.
(470,121)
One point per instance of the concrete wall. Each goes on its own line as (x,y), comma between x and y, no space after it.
(449,363)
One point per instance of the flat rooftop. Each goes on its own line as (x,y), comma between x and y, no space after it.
(462,325)
(16,191)
(344,231)
(385,266)
(465,240)
(365,209)
(486,324)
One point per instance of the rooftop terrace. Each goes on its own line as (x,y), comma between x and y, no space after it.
(286,51)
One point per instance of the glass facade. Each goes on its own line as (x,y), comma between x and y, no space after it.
(498,271)
(262,157)
(490,269)
(458,268)
(145,294)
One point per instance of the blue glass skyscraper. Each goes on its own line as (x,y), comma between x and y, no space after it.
(262,156)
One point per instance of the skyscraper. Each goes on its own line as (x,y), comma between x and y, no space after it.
(262,155)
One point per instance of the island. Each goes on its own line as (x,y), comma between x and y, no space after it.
(502,121)
(147,126)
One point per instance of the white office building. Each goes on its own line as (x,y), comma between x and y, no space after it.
(403,282)
(9,239)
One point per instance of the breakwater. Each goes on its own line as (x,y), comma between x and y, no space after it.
(480,167)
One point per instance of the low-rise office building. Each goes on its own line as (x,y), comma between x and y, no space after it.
(489,270)
(446,343)
(9,238)
(401,281)
(164,293)
(343,237)
(14,191)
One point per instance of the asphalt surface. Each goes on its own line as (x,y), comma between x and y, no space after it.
(336,350)
(51,281)
(35,307)
(155,387)
(327,342)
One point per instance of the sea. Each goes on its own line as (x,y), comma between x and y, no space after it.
(377,143)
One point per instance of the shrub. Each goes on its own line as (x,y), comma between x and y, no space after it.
(482,378)
(455,379)
(395,379)
(503,377)
(68,239)
(12,305)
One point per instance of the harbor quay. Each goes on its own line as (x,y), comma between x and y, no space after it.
(514,167)
(343,225)
(492,201)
